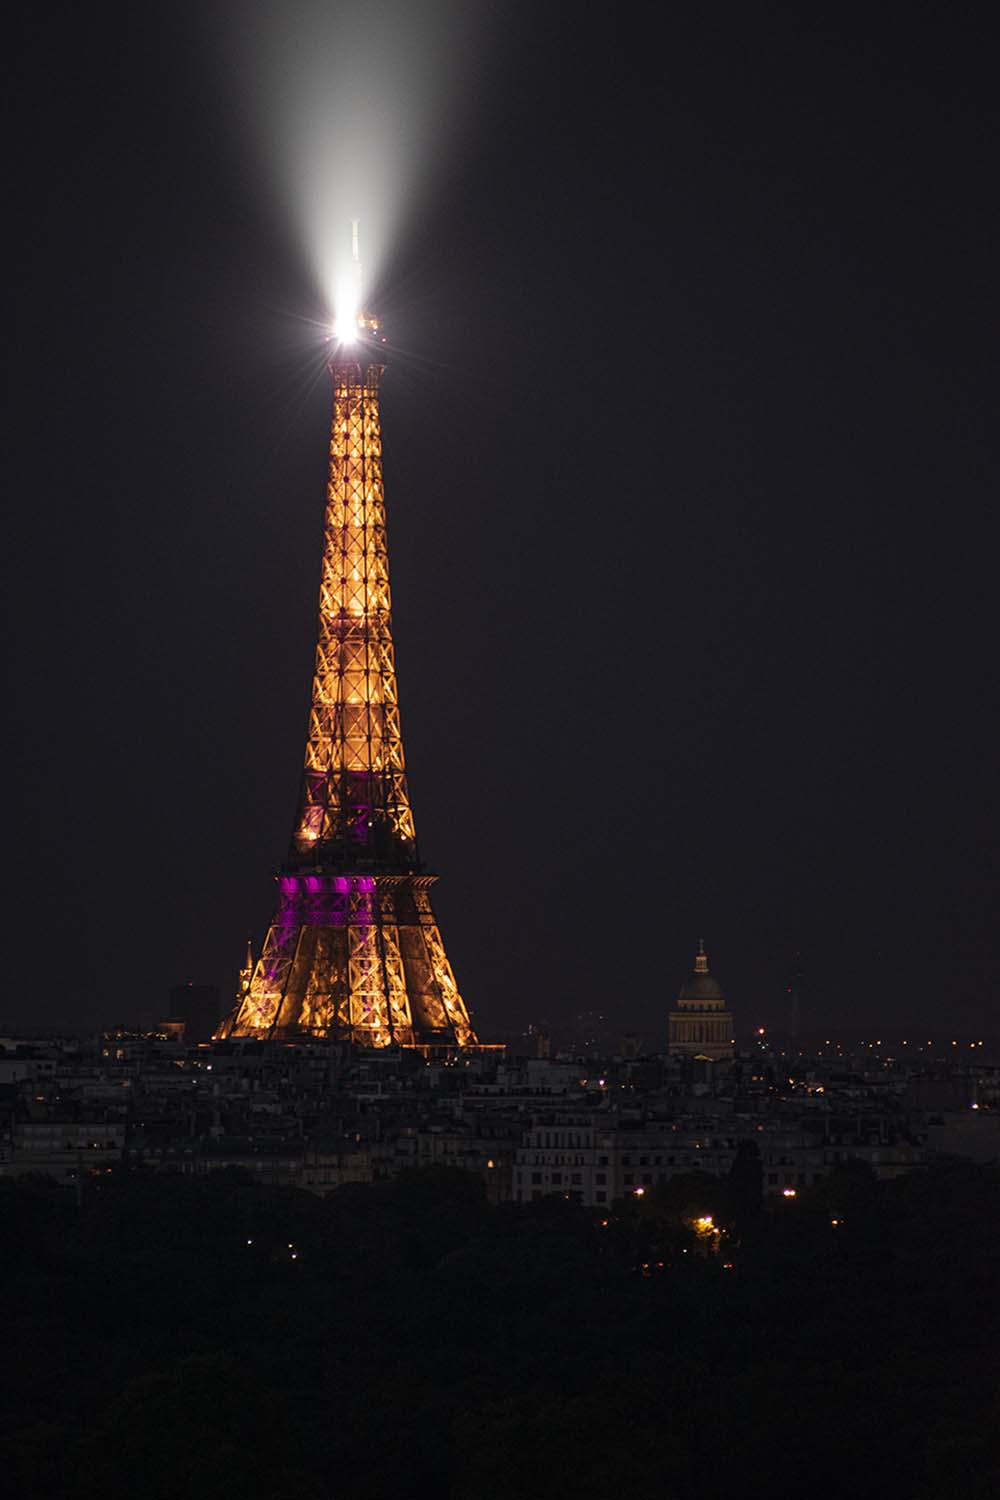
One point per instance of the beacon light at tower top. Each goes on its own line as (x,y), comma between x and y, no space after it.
(348,327)
(352,321)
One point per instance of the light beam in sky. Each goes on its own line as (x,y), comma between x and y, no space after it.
(353,107)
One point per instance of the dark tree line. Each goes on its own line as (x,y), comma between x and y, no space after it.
(182,1338)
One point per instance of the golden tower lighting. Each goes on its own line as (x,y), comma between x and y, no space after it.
(354,952)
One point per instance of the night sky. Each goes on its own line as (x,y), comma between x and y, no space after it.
(691,465)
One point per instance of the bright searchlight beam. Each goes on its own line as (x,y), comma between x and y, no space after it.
(348,318)
(352,109)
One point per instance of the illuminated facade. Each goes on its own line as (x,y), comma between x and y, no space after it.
(700,1024)
(354,952)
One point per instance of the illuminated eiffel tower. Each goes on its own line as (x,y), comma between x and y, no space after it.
(354,952)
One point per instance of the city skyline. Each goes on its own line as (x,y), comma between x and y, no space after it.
(691,470)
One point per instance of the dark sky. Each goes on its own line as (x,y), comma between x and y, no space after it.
(691,466)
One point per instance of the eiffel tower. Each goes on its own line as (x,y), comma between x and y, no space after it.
(354,952)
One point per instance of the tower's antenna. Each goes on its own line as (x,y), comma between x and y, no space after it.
(356,258)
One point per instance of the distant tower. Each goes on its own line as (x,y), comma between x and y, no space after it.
(354,952)
(700,1024)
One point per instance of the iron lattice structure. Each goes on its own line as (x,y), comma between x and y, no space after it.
(354,952)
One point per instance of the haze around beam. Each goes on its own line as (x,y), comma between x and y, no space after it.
(351,108)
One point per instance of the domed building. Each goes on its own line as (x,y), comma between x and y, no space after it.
(700,1024)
